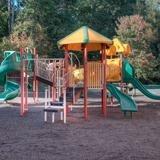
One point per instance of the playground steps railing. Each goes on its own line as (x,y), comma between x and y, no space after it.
(49,69)
(51,72)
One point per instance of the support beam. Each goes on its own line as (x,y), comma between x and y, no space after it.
(54,82)
(102,77)
(26,83)
(85,83)
(67,67)
(34,76)
(37,90)
(104,80)
(67,74)
(120,65)
(22,83)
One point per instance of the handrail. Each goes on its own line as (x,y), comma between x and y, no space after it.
(71,53)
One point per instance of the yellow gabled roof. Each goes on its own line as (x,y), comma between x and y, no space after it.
(84,35)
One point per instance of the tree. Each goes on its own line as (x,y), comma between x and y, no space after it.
(3,19)
(102,14)
(153,17)
(136,31)
(139,34)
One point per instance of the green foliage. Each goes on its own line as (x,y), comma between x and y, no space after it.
(3,19)
(102,14)
(41,23)
(153,17)
(144,65)
(136,31)
(26,34)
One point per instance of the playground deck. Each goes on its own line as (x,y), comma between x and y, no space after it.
(114,137)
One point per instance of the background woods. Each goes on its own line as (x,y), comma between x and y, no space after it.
(28,23)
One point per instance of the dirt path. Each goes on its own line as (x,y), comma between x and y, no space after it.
(112,138)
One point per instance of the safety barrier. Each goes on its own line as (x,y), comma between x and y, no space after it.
(94,75)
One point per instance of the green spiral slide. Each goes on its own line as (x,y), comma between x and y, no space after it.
(11,63)
(127,104)
(129,77)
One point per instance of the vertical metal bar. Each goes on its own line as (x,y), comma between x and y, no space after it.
(105,82)
(36,84)
(85,83)
(34,74)
(54,81)
(67,75)
(66,66)
(26,82)
(121,72)
(102,77)
(22,83)
(64,105)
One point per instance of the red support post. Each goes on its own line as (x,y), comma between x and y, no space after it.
(34,76)
(26,82)
(126,83)
(85,83)
(102,77)
(36,90)
(35,80)
(22,83)
(67,75)
(104,81)
(54,82)
(120,65)
(66,66)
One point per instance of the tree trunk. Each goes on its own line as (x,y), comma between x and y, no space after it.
(9,17)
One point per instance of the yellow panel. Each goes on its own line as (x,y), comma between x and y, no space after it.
(113,73)
(119,46)
(128,49)
(111,51)
(94,74)
(79,74)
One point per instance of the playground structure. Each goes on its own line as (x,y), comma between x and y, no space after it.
(48,71)
(64,78)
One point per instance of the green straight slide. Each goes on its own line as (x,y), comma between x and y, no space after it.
(127,104)
(129,77)
(9,64)
(137,84)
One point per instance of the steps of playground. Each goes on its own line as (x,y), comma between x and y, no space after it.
(69,94)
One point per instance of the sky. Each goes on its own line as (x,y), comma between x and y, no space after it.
(15,2)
